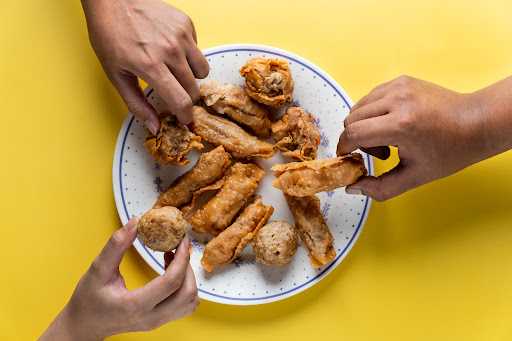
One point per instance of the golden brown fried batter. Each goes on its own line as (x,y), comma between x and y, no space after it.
(312,229)
(268,81)
(232,101)
(228,245)
(172,143)
(301,179)
(234,139)
(162,229)
(210,167)
(275,244)
(236,188)
(296,134)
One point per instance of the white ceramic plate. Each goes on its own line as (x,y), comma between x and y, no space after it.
(137,180)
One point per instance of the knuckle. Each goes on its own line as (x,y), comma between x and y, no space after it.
(150,66)
(406,121)
(190,294)
(184,104)
(403,80)
(96,267)
(173,48)
(117,239)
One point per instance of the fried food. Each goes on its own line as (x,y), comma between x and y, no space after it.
(312,229)
(275,244)
(268,81)
(301,179)
(162,229)
(234,139)
(210,167)
(235,189)
(173,142)
(296,134)
(232,101)
(228,245)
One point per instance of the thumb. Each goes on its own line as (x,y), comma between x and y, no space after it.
(133,96)
(388,185)
(110,257)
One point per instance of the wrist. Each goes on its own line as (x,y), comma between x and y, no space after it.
(74,327)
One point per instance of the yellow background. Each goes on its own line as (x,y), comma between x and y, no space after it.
(434,264)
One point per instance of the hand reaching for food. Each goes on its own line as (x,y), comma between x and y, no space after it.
(437,131)
(153,41)
(102,305)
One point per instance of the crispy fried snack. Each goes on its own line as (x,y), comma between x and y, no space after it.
(275,244)
(162,229)
(236,188)
(235,140)
(210,167)
(228,245)
(173,142)
(232,101)
(268,81)
(301,179)
(312,229)
(296,134)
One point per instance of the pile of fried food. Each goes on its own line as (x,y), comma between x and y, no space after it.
(217,196)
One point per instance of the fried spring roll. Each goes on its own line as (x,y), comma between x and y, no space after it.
(302,179)
(210,167)
(172,143)
(239,184)
(312,229)
(228,245)
(232,101)
(235,140)
(296,134)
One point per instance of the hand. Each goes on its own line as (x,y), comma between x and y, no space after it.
(437,131)
(153,41)
(102,306)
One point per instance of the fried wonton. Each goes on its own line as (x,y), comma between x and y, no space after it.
(173,142)
(301,179)
(232,101)
(296,134)
(312,229)
(219,131)
(268,81)
(210,167)
(235,189)
(228,245)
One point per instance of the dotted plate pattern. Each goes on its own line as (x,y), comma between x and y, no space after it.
(137,181)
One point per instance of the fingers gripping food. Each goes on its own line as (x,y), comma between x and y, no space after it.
(234,139)
(302,179)
(162,229)
(210,167)
(312,229)
(275,244)
(228,245)
(239,184)
(268,81)
(296,134)
(172,143)
(232,101)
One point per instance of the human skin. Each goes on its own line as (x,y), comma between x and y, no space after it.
(437,131)
(153,41)
(101,305)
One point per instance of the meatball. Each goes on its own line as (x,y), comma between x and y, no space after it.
(275,243)
(162,229)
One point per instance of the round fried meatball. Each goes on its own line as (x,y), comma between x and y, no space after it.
(162,229)
(275,243)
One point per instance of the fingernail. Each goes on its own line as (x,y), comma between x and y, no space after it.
(152,126)
(353,191)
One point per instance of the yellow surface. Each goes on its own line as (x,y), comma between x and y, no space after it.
(435,264)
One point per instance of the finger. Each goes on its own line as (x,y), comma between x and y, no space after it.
(377,93)
(194,34)
(382,153)
(388,185)
(197,62)
(181,70)
(133,96)
(176,99)
(372,132)
(372,109)
(165,285)
(110,257)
